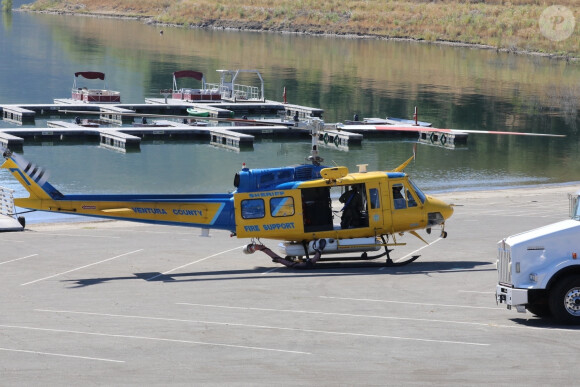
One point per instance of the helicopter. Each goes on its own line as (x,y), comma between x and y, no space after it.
(318,212)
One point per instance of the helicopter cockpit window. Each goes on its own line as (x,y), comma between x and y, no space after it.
(374,196)
(253,208)
(410,199)
(399,196)
(418,191)
(283,206)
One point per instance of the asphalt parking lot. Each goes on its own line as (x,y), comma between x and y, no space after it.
(115,303)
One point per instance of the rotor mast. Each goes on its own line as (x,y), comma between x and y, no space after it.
(316,126)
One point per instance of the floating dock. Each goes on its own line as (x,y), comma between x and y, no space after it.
(18,114)
(286,119)
(228,139)
(116,140)
(448,138)
(340,139)
(129,138)
(22,114)
(12,142)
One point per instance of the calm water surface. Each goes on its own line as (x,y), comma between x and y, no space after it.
(452,87)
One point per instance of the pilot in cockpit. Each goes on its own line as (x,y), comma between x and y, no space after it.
(351,212)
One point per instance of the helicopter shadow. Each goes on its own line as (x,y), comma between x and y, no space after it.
(322,269)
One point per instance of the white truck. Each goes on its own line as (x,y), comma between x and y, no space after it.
(539,270)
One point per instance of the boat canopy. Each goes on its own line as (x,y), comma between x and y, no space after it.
(91,75)
(188,74)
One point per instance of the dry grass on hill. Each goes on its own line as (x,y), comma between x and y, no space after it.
(511,25)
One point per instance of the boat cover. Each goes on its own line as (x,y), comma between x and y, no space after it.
(188,74)
(91,75)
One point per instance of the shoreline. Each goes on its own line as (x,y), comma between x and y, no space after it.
(246,27)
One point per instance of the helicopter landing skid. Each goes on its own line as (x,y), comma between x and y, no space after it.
(391,263)
(308,263)
(365,257)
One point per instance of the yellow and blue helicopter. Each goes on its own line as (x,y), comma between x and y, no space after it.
(315,210)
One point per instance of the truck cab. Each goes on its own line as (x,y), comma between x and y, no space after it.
(539,270)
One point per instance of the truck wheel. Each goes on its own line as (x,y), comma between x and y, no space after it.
(540,310)
(565,300)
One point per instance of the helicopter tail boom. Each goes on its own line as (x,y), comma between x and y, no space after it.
(195,210)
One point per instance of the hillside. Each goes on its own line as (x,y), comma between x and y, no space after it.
(515,26)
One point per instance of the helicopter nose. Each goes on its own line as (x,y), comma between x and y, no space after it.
(438,211)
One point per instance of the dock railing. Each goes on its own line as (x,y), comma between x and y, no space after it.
(244,92)
(239,93)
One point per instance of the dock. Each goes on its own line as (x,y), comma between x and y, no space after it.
(229,139)
(116,115)
(128,135)
(340,139)
(302,112)
(117,140)
(25,113)
(448,138)
(215,101)
(277,118)
(11,142)
(63,124)
(128,138)
(18,115)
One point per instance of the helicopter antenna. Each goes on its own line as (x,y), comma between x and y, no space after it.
(316,125)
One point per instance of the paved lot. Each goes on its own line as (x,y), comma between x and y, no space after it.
(116,303)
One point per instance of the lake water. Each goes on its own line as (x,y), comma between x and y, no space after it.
(452,87)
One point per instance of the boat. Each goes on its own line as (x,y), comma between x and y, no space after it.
(233,91)
(389,121)
(227,89)
(86,95)
(399,121)
(197,113)
(205,93)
